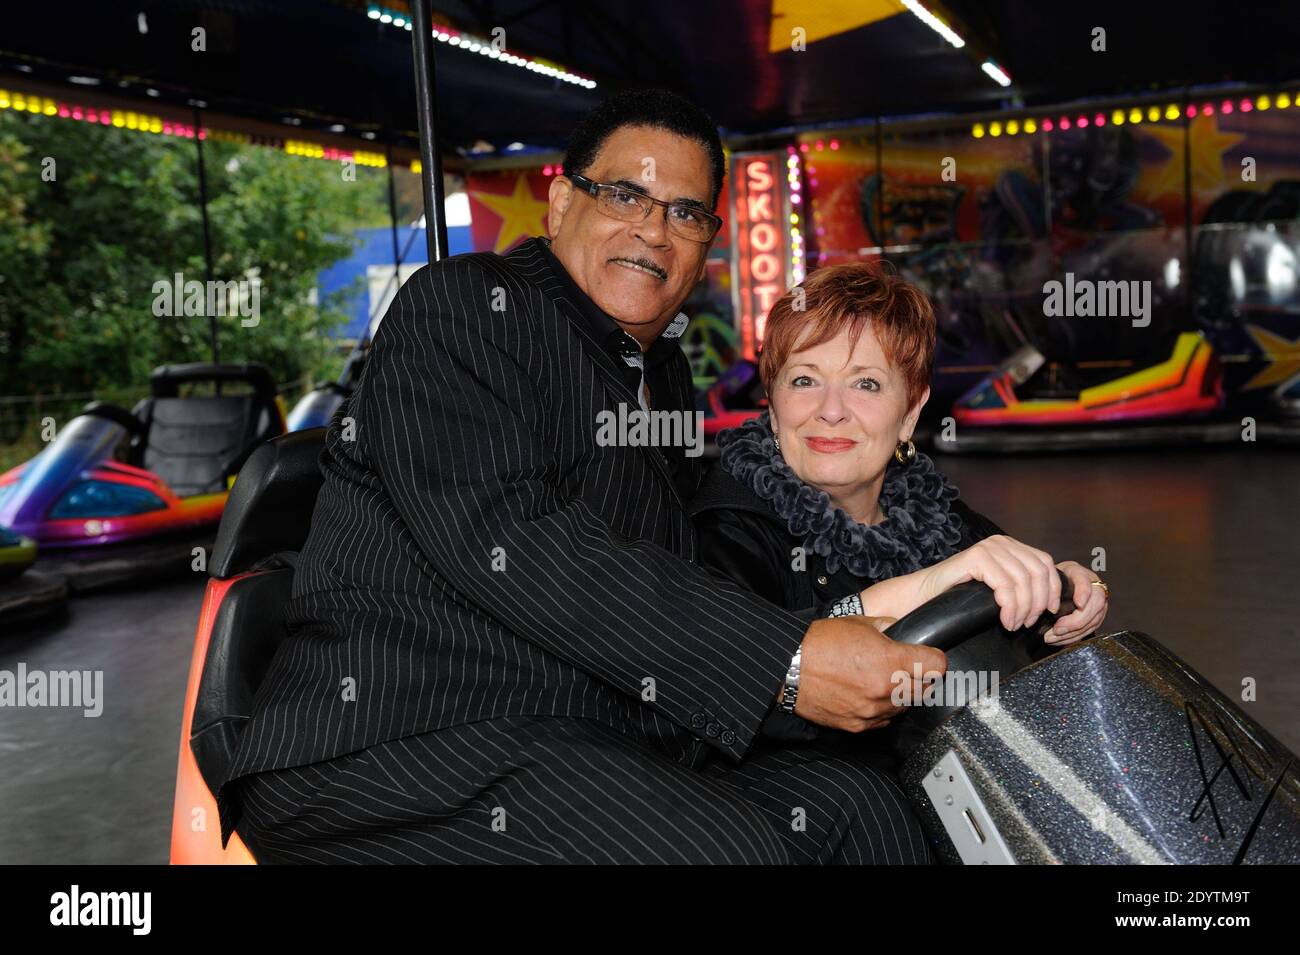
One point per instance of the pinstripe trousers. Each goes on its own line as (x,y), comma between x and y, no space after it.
(544,789)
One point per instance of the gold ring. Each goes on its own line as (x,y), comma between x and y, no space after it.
(1102,585)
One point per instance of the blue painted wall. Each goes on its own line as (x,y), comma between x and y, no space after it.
(375,247)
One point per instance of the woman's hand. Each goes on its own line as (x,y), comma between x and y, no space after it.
(1090,605)
(1022,578)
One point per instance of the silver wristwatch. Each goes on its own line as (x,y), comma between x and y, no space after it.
(790,688)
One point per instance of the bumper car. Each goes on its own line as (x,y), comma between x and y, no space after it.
(17,553)
(317,407)
(240,625)
(1187,383)
(718,417)
(736,397)
(26,595)
(1027,404)
(102,519)
(1112,750)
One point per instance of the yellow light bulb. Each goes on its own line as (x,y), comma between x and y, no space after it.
(1013,127)
(995,129)
(1264,102)
(977,130)
(1117,117)
(1135,115)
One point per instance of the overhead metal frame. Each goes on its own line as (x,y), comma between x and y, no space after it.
(435,221)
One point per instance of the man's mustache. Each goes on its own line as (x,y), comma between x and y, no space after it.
(646,264)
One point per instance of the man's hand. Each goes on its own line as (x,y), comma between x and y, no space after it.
(849,669)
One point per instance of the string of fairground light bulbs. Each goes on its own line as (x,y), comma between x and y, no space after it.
(475,44)
(150,123)
(1132,115)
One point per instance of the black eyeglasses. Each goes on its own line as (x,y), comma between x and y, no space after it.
(618,202)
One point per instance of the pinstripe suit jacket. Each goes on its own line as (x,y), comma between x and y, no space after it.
(475,553)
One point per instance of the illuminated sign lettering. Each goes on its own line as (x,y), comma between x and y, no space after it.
(761,257)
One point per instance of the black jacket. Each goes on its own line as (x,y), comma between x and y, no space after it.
(476,552)
(742,539)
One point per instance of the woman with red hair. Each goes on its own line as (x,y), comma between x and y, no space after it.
(824,505)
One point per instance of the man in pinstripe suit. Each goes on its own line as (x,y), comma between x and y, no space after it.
(500,648)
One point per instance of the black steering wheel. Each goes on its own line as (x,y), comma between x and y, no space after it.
(965,611)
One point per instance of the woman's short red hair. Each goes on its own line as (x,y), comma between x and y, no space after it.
(850,296)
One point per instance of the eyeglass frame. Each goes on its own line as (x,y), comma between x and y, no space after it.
(591,188)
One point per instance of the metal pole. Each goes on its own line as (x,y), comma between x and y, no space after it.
(430,156)
(392,213)
(1189,244)
(207,235)
(399,255)
(880,191)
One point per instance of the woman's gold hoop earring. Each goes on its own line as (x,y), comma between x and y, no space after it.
(905,453)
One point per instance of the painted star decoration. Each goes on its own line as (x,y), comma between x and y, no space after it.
(1283,358)
(1207,148)
(522,215)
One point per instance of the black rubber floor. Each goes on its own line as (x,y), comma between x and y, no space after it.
(1202,552)
(77,789)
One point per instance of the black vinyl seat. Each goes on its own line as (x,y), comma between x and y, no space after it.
(271,504)
(192,441)
(265,523)
(195,443)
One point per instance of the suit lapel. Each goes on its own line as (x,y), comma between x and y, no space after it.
(531,259)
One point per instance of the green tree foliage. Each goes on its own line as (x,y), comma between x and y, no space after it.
(80,253)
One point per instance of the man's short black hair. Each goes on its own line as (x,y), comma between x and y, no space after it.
(658,109)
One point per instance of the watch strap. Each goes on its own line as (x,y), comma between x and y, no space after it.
(790,688)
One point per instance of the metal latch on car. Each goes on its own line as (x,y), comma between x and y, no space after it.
(962,812)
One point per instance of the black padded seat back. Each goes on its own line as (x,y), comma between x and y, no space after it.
(271,504)
(194,443)
(248,628)
(265,522)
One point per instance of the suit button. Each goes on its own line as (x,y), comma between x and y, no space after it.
(728,737)
(822,580)
(697,720)
(713,729)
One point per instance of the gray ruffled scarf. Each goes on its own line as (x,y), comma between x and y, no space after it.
(920,527)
